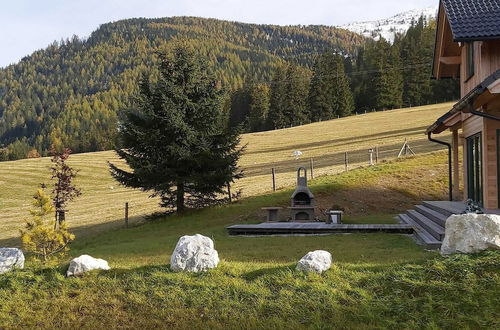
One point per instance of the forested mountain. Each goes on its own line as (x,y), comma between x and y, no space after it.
(71,92)
(381,76)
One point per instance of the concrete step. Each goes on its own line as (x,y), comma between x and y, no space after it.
(430,226)
(422,235)
(437,217)
(445,208)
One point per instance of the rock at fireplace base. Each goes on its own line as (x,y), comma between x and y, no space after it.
(316,261)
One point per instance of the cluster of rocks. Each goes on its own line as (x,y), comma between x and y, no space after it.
(465,233)
(191,254)
(196,254)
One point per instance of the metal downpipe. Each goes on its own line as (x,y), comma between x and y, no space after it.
(450,176)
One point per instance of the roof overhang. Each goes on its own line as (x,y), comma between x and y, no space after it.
(476,98)
(447,51)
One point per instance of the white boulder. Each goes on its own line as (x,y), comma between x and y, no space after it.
(471,233)
(316,261)
(11,258)
(194,254)
(86,263)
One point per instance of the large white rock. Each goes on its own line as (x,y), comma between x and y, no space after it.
(471,233)
(11,258)
(86,263)
(194,254)
(316,261)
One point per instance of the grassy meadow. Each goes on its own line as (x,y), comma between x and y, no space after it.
(101,206)
(377,281)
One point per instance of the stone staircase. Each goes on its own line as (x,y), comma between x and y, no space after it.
(428,220)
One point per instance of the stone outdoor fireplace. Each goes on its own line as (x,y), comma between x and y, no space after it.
(302,200)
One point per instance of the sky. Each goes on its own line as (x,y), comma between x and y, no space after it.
(29,25)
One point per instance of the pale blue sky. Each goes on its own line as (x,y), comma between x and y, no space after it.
(28,25)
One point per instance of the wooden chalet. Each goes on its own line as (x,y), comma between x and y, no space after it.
(467,47)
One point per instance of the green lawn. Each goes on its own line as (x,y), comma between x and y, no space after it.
(377,281)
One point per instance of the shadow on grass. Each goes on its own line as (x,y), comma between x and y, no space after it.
(85,231)
(255,274)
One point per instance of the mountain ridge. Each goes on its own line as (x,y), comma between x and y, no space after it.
(388,27)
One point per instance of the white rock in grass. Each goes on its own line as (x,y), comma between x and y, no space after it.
(194,254)
(471,233)
(86,263)
(316,261)
(11,258)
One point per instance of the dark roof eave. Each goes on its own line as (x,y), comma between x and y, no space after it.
(479,38)
(465,101)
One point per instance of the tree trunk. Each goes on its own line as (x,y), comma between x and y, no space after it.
(180,197)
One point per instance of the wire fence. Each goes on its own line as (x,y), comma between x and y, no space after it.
(282,173)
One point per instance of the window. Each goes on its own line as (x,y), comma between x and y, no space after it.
(470,60)
(475,168)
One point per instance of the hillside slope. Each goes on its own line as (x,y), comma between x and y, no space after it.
(77,86)
(101,205)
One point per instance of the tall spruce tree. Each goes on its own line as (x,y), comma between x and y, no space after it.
(277,106)
(330,94)
(416,58)
(240,107)
(175,140)
(321,89)
(297,82)
(343,100)
(259,107)
(388,78)
(364,96)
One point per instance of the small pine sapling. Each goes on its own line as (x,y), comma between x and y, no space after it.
(40,236)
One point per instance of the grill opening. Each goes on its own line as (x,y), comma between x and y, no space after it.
(302,199)
(302,216)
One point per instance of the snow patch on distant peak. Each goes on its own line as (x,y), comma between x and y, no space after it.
(389,27)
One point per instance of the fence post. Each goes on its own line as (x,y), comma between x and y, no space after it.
(229,192)
(274,178)
(370,153)
(376,155)
(346,161)
(311,161)
(126,214)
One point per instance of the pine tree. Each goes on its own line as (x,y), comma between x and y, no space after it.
(330,95)
(240,107)
(259,107)
(321,89)
(296,110)
(175,140)
(388,80)
(362,79)
(416,59)
(277,106)
(41,236)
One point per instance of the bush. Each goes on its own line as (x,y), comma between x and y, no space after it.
(41,236)
(33,153)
